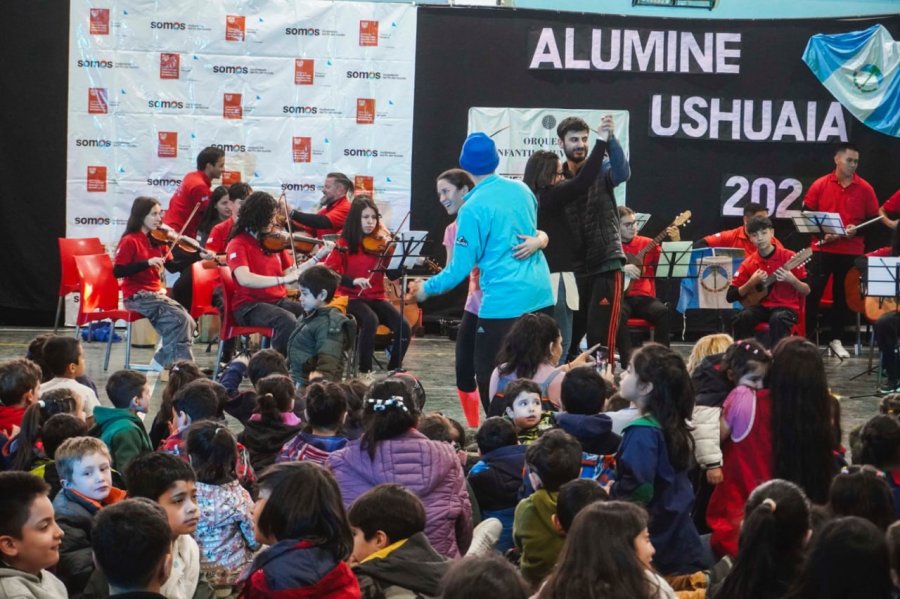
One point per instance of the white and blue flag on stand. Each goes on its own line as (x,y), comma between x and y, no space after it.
(861,69)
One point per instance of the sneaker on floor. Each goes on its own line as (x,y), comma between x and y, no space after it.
(888,387)
(485,537)
(838,349)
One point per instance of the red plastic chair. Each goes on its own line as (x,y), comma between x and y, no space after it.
(205,282)
(640,323)
(69,279)
(230,330)
(100,301)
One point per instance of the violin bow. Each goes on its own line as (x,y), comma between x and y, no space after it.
(290,228)
(393,235)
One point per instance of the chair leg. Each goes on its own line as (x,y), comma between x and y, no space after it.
(128,344)
(218,360)
(59,305)
(109,340)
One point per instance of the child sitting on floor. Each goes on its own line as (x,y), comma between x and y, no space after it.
(326,411)
(521,405)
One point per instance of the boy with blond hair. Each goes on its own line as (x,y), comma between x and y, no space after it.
(85,471)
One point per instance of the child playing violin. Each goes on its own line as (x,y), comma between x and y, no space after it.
(260,297)
(139,262)
(360,260)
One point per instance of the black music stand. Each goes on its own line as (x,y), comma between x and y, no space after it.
(407,251)
(674,263)
(819,223)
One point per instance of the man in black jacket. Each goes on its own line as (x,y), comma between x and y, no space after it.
(595,232)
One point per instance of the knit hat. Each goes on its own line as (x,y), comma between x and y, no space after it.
(479,154)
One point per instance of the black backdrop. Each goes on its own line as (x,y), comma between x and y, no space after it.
(465,57)
(478,57)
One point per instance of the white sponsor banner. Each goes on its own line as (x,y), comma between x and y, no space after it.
(519,132)
(290,90)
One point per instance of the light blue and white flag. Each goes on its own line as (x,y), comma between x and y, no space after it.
(861,69)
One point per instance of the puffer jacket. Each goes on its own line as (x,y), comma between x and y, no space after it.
(707,450)
(710,384)
(430,469)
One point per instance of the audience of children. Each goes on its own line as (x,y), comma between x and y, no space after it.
(301,517)
(326,414)
(496,479)
(64,357)
(274,422)
(35,353)
(654,457)
(25,450)
(265,362)
(317,344)
(224,531)
(391,554)
(29,539)
(119,427)
(392,451)
(554,459)
(84,469)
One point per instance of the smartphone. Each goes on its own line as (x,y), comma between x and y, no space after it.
(601,359)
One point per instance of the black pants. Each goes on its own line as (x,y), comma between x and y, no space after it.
(650,309)
(887,336)
(599,298)
(465,352)
(822,265)
(369,314)
(780,321)
(489,334)
(280,316)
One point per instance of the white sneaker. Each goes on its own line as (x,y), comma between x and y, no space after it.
(485,537)
(838,348)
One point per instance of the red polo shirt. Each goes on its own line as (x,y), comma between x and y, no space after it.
(336,212)
(732,238)
(218,235)
(245,250)
(781,294)
(136,247)
(194,189)
(892,206)
(646,285)
(855,203)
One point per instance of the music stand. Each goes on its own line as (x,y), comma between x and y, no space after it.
(882,282)
(819,223)
(640,219)
(407,247)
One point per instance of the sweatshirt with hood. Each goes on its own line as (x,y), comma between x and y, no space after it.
(124,434)
(16,584)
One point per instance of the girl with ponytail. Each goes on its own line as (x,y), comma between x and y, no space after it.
(274,422)
(773,537)
(225,530)
(391,450)
(25,451)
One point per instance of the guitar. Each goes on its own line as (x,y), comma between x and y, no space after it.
(638,258)
(755,296)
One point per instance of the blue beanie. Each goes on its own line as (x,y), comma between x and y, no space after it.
(479,154)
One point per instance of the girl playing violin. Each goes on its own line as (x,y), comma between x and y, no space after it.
(361,248)
(139,262)
(260,298)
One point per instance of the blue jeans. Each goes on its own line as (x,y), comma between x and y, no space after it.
(173,323)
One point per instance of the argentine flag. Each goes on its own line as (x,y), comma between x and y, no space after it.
(860,69)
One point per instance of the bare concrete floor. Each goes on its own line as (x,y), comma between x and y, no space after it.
(431,358)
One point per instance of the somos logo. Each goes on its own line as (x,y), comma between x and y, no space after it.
(94,64)
(230,69)
(163,182)
(363,75)
(298,187)
(93,143)
(361,152)
(170,25)
(231,147)
(176,104)
(299,110)
(92,220)
(303,31)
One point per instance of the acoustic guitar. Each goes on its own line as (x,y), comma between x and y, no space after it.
(638,258)
(756,296)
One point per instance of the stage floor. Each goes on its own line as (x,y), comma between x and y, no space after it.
(431,358)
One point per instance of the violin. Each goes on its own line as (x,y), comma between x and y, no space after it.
(165,235)
(276,241)
(377,242)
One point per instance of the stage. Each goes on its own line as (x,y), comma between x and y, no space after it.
(431,359)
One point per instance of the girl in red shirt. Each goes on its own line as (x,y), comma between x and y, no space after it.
(139,262)
(362,281)
(260,298)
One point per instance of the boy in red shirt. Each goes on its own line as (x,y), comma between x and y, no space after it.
(781,307)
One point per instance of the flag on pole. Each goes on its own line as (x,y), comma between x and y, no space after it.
(707,282)
(861,69)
